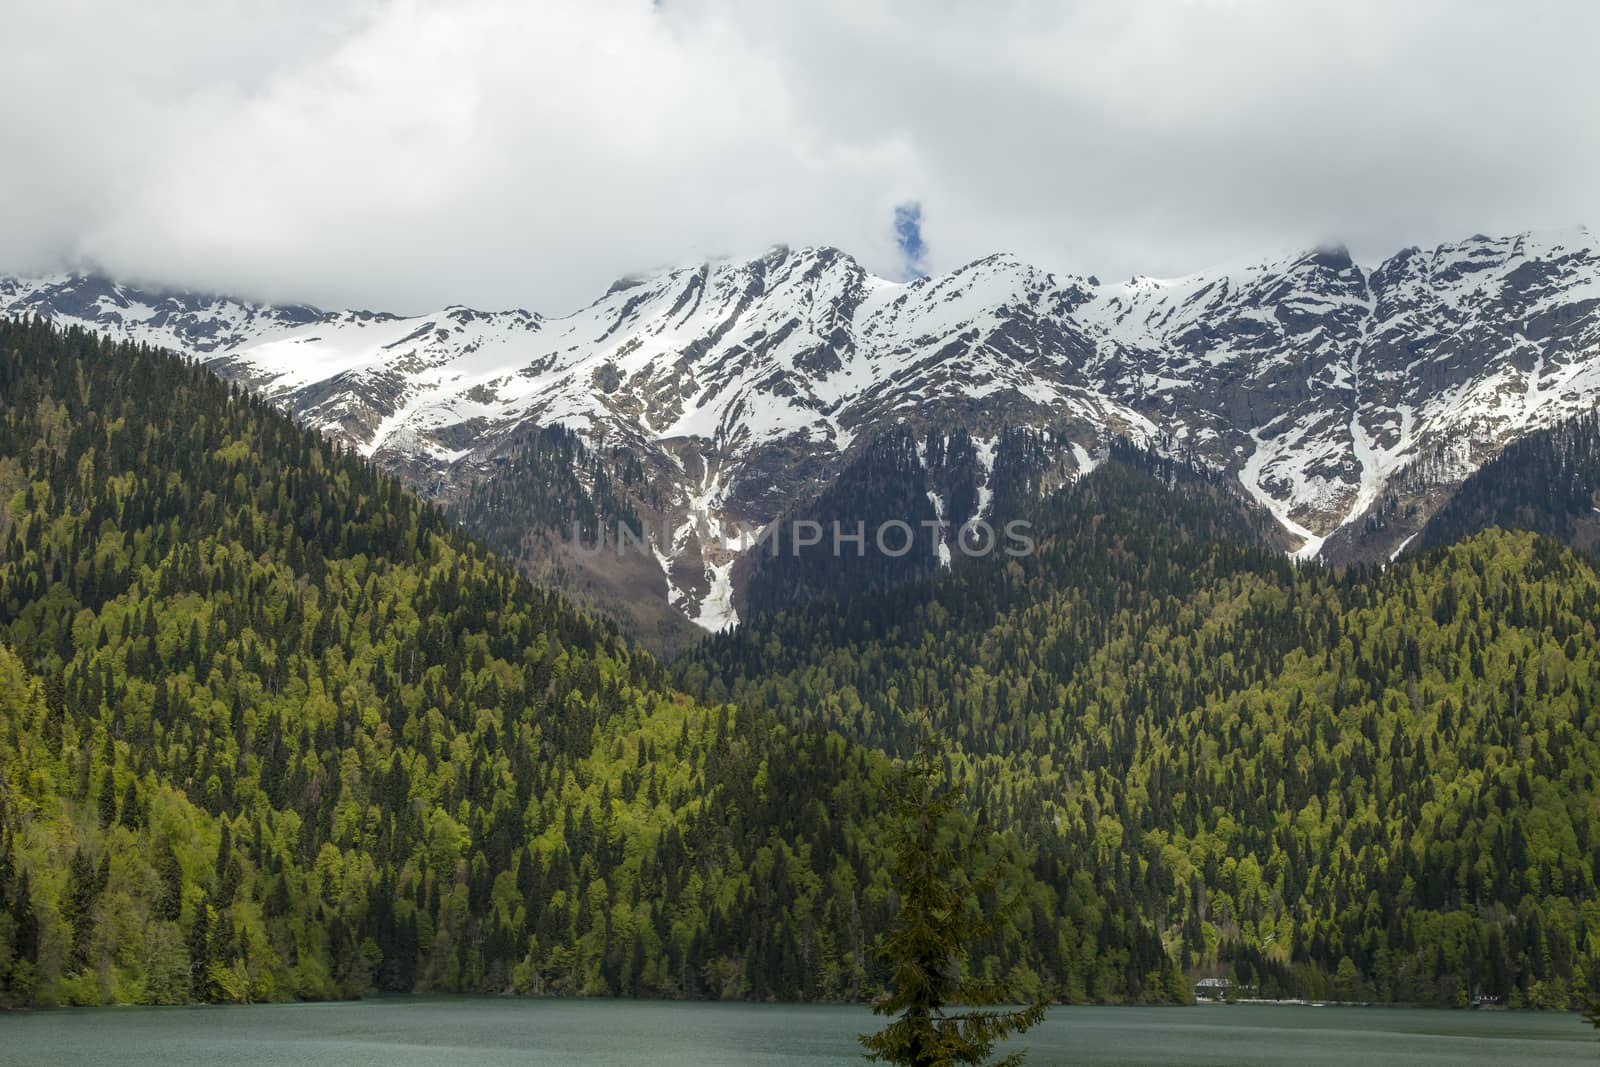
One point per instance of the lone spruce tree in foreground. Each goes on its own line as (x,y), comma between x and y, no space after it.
(940,892)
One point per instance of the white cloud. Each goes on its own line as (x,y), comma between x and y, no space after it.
(409,154)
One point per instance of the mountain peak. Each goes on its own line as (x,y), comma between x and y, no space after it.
(742,386)
(1334,257)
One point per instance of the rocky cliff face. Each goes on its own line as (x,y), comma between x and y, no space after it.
(1324,387)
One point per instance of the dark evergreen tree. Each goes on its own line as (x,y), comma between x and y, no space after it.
(947,904)
(108,799)
(169,904)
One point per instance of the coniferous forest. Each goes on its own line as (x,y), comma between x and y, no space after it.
(271,727)
(1375,785)
(1546,482)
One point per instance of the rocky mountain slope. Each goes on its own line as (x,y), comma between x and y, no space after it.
(1324,387)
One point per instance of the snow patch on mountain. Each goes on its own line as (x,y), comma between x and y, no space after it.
(744,385)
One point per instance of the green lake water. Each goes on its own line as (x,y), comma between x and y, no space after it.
(400,1031)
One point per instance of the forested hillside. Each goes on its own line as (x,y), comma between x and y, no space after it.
(551,486)
(270,727)
(929,480)
(1371,785)
(550,504)
(1547,482)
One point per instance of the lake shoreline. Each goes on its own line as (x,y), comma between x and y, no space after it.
(394,997)
(417,1029)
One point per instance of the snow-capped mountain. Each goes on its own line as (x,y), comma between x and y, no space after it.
(743,385)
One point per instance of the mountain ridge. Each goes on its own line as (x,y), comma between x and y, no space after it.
(745,385)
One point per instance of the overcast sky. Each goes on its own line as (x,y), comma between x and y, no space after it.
(408,155)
